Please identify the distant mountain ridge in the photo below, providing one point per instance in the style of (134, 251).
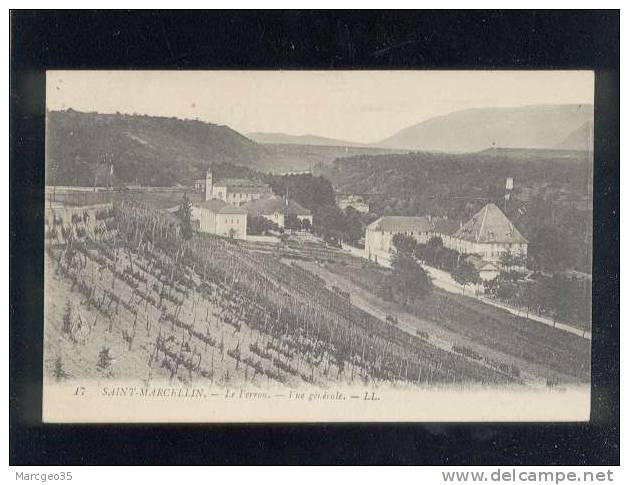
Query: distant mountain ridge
(283, 138)
(580, 139)
(162, 151)
(476, 129)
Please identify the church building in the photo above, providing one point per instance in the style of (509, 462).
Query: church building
(234, 191)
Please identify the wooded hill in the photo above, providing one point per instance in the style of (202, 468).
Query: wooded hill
(148, 150)
(160, 151)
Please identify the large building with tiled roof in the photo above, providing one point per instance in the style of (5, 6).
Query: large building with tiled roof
(277, 209)
(218, 217)
(379, 235)
(489, 234)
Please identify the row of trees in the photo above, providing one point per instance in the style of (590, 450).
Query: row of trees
(558, 296)
(260, 225)
(435, 254)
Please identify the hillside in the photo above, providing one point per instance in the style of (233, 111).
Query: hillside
(148, 150)
(580, 139)
(283, 138)
(471, 130)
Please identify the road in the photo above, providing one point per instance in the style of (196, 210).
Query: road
(532, 374)
(443, 280)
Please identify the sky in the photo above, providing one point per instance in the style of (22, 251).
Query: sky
(358, 106)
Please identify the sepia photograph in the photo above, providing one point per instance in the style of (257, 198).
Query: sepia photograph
(318, 246)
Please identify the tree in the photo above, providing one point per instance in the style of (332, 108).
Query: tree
(409, 281)
(104, 359)
(508, 260)
(465, 273)
(185, 214)
(292, 222)
(67, 319)
(260, 225)
(306, 225)
(404, 244)
(58, 371)
(435, 242)
(353, 224)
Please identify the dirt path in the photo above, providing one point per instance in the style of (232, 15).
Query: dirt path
(444, 281)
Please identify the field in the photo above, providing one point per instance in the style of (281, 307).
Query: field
(128, 298)
(546, 352)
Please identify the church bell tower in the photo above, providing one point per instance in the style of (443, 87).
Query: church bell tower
(208, 184)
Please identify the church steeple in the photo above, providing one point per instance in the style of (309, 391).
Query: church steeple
(208, 184)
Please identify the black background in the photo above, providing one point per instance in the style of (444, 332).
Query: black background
(43, 40)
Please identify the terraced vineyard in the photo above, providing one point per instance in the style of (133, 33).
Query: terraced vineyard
(136, 301)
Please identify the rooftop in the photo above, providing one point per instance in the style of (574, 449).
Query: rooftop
(219, 207)
(235, 182)
(401, 224)
(479, 263)
(490, 225)
(275, 204)
(447, 227)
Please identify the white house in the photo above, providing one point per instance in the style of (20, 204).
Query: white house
(379, 235)
(220, 218)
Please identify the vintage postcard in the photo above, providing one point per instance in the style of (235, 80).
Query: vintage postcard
(318, 246)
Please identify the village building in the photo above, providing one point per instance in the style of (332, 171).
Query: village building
(357, 202)
(488, 234)
(277, 209)
(379, 235)
(220, 218)
(234, 191)
(487, 270)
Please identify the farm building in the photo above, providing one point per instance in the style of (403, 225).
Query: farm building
(277, 209)
(487, 270)
(234, 191)
(379, 235)
(220, 218)
(488, 234)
